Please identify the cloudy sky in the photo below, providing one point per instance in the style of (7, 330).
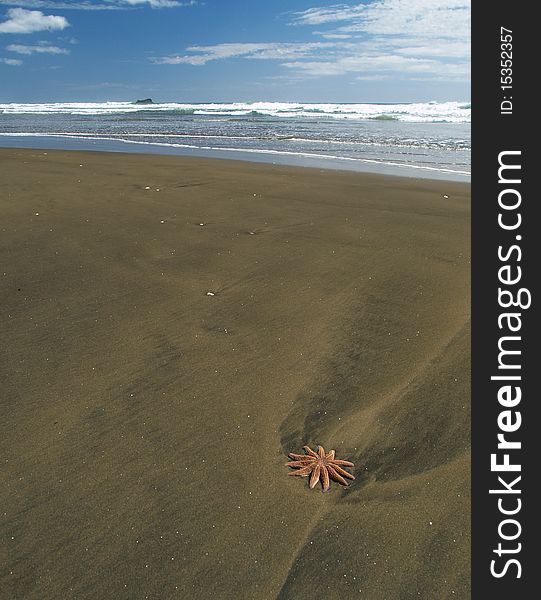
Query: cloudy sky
(212, 50)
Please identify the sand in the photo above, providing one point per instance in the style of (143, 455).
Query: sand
(172, 327)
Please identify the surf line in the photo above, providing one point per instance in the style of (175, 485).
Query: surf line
(512, 300)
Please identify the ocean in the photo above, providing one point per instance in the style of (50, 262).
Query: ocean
(431, 139)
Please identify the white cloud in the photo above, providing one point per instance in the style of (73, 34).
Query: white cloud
(65, 5)
(368, 63)
(50, 4)
(41, 48)
(372, 77)
(393, 16)
(158, 3)
(262, 51)
(101, 5)
(425, 19)
(20, 20)
(448, 49)
(329, 14)
(402, 39)
(332, 35)
(13, 62)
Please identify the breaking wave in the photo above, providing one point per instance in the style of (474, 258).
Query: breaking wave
(421, 112)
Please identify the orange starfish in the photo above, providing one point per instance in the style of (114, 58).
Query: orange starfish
(318, 465)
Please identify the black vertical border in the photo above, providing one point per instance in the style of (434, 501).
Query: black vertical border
(492, 133)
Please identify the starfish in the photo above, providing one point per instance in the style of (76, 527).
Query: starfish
(319, 465)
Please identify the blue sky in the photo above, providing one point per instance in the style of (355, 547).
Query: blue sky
(227, 50)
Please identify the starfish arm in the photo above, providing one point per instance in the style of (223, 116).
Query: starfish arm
(321, 451)
(314, 478)
(309, 451)
(297, 456)
(325, 478)
(299, 463)
(343, 463)
(335, 476)
(343, 472)
(330, 456)
(304, 472)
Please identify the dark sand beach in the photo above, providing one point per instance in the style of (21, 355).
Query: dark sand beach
(145, 424)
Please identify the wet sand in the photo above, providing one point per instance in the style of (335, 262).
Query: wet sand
(145, 423)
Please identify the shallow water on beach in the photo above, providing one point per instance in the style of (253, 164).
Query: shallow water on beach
(424, 139)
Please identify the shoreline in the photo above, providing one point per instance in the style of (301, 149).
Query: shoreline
(317, 161)
(145, 423)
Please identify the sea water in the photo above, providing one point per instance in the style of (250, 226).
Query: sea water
(431, 139)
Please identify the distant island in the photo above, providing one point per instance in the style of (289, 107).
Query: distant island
(145, 101)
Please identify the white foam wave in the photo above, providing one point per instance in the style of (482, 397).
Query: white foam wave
(459, 144)
(422, 112)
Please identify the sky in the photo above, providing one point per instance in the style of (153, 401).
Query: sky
(234, 50)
